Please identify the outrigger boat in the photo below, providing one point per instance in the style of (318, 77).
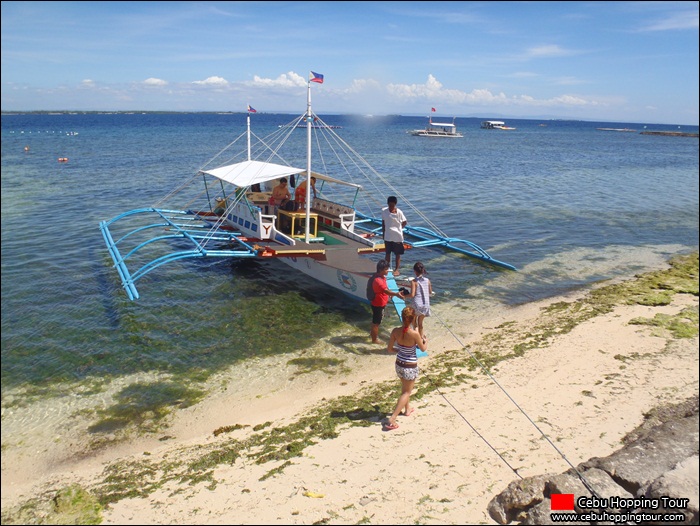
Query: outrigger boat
(438, 129)
(330, 239)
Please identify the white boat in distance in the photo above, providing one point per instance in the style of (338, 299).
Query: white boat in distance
(330, 239)
(617, 129)
(495, 125)
(438, 129)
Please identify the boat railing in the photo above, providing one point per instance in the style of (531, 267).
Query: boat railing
(417, 236)
(347, 221)
(267, 226)
(332, 213)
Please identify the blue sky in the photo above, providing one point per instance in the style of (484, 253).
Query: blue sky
(608, 61)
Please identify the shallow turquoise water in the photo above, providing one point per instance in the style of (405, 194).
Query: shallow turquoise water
(567, 204)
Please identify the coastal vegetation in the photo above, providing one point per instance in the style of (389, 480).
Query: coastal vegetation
(275, 447)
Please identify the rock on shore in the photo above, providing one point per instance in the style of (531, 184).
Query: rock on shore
(659, 459)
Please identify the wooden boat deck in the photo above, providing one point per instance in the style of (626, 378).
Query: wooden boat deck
(337, 250)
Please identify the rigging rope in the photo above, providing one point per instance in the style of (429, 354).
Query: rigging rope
(272, 144)
(491, 377)
(364, 167)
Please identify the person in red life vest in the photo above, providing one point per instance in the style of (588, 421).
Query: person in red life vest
(381, 298)
(300, 193)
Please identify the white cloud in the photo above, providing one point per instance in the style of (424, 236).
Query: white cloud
(431, 88)
(570, 100)
(155, 82)
(433, 92)
(362, 85)
(285, 80)
(212, 81)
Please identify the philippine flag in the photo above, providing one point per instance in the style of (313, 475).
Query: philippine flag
(433, 109)
(316, 77)
(251, 109)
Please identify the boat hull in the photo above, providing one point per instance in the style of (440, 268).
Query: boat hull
(350, 282)
(422, 133)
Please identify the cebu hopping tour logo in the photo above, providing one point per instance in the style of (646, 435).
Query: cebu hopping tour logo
(617, 510)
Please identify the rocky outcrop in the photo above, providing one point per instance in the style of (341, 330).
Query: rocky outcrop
(657, 466)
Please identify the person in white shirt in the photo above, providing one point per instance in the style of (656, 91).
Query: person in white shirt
(393, 223)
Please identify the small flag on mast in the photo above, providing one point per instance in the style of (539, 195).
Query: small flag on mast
(251, 109)
(316, 77)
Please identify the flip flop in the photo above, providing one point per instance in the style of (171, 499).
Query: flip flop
(391, 427)
(410, 412)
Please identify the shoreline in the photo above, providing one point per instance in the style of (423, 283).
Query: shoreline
(454, 470)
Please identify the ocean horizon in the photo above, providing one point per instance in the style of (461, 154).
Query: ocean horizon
(480, 117)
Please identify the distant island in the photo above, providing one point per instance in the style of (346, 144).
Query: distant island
(670, 133)
(282, 112)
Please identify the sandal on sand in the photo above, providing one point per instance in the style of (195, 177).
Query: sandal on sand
(409, 412)
(391, 427)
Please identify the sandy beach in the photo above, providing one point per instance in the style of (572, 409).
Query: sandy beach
(557, 396)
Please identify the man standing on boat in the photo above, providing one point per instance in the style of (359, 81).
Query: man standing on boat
(393, 223)
(300, 192)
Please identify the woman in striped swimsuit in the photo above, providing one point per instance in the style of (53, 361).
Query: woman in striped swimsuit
(404, 341)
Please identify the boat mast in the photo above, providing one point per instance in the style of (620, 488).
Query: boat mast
(308, 160)
(248, 129)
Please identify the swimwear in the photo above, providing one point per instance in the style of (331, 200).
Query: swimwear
(406, 373)
(406, 362)
(421, 302)
(377, 315)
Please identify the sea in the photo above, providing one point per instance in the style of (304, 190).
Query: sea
(567, 204)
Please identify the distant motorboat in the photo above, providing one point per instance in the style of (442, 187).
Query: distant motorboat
(495, 125)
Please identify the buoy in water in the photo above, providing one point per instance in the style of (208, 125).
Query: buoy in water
(63, 159)
(26, 148)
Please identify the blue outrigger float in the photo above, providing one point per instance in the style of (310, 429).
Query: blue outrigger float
(228, 213)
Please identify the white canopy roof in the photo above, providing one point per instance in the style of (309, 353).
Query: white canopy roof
(330, 179)
(248, 173)
(447, 124)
